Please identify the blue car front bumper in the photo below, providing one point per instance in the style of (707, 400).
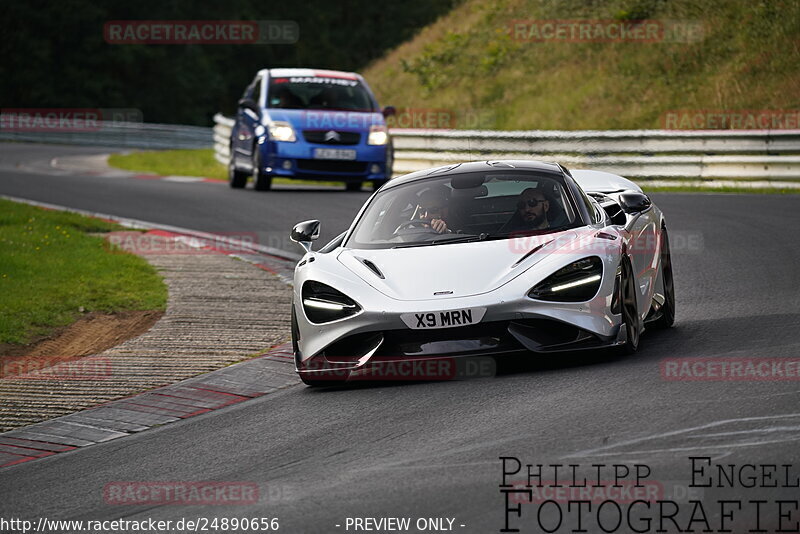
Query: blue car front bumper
(296, 160)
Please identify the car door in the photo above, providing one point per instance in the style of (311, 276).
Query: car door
(248, 117)
(644, 251)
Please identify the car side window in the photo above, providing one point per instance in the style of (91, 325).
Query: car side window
(590, 207)
(599, 212)
(256, 96)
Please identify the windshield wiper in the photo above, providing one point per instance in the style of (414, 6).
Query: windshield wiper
(525, 233)
(456, 238)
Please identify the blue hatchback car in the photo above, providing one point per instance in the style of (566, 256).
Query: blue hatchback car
(310, 124)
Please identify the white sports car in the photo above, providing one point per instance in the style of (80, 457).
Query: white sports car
(477, 259)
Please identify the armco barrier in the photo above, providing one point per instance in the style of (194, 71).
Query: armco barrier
(222, 138)
(640, 142)
(118, 134)
(631, 166)
(708, 154)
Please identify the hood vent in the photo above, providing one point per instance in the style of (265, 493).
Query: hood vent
(530, 253)
(372, 267)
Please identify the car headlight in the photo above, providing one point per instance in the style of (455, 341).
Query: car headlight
(378, 135)
(324, 304)
(281, 131)
(577, 282)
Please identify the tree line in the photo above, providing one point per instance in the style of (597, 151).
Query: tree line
(55, 54)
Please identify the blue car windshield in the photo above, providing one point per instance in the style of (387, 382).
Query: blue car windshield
(317, 92)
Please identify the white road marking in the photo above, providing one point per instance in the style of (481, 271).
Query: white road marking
(685, 449)
(600, 451)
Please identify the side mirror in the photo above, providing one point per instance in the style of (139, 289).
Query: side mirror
(634, 202)
(304, 233)
(389, 111)
(249, 103)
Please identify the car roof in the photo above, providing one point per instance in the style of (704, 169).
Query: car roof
(316, 73)
(476, 166)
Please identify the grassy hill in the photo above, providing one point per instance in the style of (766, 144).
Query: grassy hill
(469, 64)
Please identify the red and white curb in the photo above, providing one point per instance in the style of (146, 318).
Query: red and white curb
(237, 383)
(195, 396)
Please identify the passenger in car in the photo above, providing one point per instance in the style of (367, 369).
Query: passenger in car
(532, 210)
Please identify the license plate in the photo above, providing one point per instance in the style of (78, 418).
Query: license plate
(334, 153)
(443, 319)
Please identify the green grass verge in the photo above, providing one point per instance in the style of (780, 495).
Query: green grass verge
(50, 267)
(172, 162)
(190, 162)
(469, 69)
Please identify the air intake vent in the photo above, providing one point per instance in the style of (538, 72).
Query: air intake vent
(372, 267)
(530, 253)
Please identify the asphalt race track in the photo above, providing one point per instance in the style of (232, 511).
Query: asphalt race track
(432, 449)
(211, 207)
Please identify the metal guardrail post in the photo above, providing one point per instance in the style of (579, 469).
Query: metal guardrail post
(222, 138)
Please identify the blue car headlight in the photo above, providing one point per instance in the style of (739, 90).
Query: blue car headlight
(323, 304)
(378, 135)
(577, 282)
(282, 131)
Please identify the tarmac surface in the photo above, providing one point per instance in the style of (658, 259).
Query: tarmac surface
(322, 457)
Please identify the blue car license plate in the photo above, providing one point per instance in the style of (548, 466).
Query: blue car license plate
(334, 153)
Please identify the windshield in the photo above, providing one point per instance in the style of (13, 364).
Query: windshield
(316, 92)
(466, 207)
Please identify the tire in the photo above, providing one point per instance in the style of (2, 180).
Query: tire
(390, 161)
(295, 335)
(263, 182)
(630, 311)
(377, 184)
(236, 178)
(667, 318)
(352, 186)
